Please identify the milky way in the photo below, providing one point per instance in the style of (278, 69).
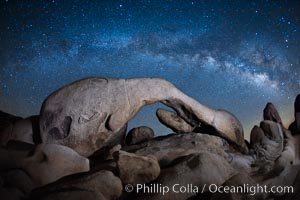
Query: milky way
(235, 56)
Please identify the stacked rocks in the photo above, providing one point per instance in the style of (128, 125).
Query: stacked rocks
(295, 126)
(77, 148)
(139, 134)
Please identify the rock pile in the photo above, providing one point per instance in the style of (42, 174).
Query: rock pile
(295, 126)
(77, 148)
(139, 134)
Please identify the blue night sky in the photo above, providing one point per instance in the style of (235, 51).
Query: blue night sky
(233, 55)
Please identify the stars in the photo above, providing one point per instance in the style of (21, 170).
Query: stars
(282, 19)
(165, 39)
(29, 26)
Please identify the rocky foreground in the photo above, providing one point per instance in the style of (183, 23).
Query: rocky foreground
(79, 148)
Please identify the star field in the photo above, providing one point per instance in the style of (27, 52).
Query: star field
(235, 55)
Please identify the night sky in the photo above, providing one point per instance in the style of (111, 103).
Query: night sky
(233, 55)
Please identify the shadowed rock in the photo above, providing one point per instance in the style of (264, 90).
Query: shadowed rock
(8, 117)
(297, 111)
(173, 121)
(50, 162)
(136, 169)
(267, 140)
(74, 194)
(44, 163)
(256, 136)
(272, 130)
(295, 177)
(25, 130)
(18, 179)
(139, 134)
(12, 158)
(101, 185)
(10, 193)
(235, 183)
(168, 148)
(7, 120)
(89, 114)
(193, 171)
(270, 113)
(295, 126)
(288, 157)
(288, 177)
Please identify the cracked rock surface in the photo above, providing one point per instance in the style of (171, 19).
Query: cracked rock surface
(79, 147)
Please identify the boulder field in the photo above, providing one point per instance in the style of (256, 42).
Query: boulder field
(78, 147)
